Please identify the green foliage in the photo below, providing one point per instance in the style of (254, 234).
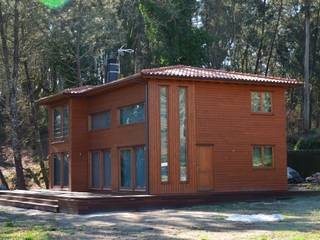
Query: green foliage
(309, 141)
(172, 36)
(54, 3)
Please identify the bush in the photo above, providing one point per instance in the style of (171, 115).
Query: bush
(309, 141)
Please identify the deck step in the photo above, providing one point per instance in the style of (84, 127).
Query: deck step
(30, 203)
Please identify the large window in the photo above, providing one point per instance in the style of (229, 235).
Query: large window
(100, 174)
(132, 114)
(61, 168)
(261, 102)
(133, 168)
(183, 133)
(262, 156)
(164, 132)
(61, 122)
(100, 120)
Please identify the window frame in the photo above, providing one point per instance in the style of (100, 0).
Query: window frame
(133, 187)
(186, 130)
(63, 137)
(90, 122)
(261, 95)
(263, 146)
(167, 87)
(101, 168)
(130, 105)
(61, 155)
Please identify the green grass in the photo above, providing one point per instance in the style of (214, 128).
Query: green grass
(289, 235)
(10, 231)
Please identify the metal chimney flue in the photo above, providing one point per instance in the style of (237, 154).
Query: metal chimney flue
(112, 70)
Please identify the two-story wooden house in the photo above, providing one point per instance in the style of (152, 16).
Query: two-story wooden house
(171, 130)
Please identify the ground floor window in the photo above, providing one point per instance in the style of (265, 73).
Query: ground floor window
(61, 163)
(100, 169)
(133, 168)
(262, 156)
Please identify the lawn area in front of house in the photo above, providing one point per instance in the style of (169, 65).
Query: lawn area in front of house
(302, 222)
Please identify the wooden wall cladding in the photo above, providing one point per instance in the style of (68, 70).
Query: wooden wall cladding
(173, 185)
(224, 119)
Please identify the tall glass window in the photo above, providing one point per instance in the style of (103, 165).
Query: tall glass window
(66, 169)
(95, 170)
(100, 120)
(57, 122)
(107, 169)
(125, 164)
(140, 167)
(132, 114)
(65, 121)
(56, 170)
(183, 133)
(164, 133)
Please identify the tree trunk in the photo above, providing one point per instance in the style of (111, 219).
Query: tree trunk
(40, 153)
(11, 79)
(274, 37)
(3, 180)
(306, 94)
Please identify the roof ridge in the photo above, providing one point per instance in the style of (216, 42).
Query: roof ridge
(145, 71)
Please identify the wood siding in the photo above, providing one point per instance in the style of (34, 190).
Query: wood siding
(219, 115)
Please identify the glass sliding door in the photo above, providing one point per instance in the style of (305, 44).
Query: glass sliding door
(66, 170)
(107, 169)
(95, 170)
(140, 167)
(183, 133)
(56, 170)
(125, 165)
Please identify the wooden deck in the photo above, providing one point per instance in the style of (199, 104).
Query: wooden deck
(88, 202)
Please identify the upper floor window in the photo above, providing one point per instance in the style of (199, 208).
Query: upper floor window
(100, 120)
(261, 102)
(262, 156)
(60, 122)
(132, 114)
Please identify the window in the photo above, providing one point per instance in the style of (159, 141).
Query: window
(66, 170)
(101, 170)
(164, 133)
(61, 163)
(125, 162)
(132, 114)
(107, 169)
(262, 156)
(183, 133)
(100, 120)
(133, 168)
(261, 102)
(60, 122)
(95, 170)
(56, 170)
(140, 167)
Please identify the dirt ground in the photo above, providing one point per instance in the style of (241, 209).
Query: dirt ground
(302, 222)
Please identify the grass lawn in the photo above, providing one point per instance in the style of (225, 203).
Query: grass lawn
(302, 222)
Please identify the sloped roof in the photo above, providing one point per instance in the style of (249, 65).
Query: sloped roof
(176, 72)
(182, 71)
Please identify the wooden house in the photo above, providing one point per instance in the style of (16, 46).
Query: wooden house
(171, 130)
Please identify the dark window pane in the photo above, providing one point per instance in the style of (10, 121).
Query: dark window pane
(268, 156)
(65, 121)
(132, 114)
(100, 120)
(255, 102)
(66, 170)
(56, 170)
(257, 156)
(95, 165)
(57, 120)
(183, 133)
(267, 102)
(107, 169)
(164, 133)
(125, 159)
(140, 167)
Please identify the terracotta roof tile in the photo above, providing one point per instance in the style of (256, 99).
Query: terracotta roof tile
(182, 71)
(78, 90)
